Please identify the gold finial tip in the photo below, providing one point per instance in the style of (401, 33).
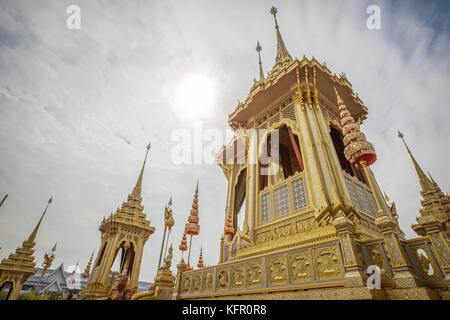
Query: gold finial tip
(50, 200)
(400, 135)
(273, 10)
(148, 146)
(258, 47)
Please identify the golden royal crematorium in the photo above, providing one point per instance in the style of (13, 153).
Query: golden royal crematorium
(316, 223)
(319, 219)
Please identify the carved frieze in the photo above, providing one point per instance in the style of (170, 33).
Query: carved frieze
(300, 269)
(208, 278)
(196, 282)
(186, 284)
(277, 269)
(237, 277)
(254, 274)
(223, 279)
(327, 263)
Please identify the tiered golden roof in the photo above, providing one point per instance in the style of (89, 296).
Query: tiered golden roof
(132, 211)
(22, 260)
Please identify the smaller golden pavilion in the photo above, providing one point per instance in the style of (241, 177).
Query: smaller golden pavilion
(123, 236)
(20, 265)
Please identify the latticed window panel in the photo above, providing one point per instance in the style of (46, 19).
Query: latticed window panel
(234, 248)
(363, 197)
(289, 113)
(275, 119)
(282, 201)
(266, 207)
(225, 253)
(352, 194)
(300, 198)
(372, 202)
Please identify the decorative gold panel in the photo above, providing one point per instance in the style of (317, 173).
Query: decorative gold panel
(254, 274)
(300, 268)
(425, 262)
(327, 263)
(376, 257)
(223, 279)
(186, 284)
(277, 270)
(196, 282)
(208, 278)
(237, 277)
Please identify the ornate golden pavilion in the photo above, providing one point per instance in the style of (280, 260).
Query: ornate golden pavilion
(123, 236)
(315, 219)
(315, 223)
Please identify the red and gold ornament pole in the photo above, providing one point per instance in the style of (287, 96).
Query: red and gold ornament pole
(358, 150)
(200, 263)
(192, 227)
(229, 229)
(183, 244)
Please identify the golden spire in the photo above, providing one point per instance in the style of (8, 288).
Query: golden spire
(339, 99)
(88, 267)
(137, 189)
(33, 234)
(282, 53)
(425, 182)
(4, 198)
(261, 72)
(200, 263)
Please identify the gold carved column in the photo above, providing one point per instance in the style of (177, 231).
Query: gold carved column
(354, 269)
(404, 276)
(312, 171)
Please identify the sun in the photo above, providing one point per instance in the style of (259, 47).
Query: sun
(196, 96)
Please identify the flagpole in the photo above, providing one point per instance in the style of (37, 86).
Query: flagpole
(189, 255)
(162, 244)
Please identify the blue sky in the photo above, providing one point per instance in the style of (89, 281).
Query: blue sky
(78, 107)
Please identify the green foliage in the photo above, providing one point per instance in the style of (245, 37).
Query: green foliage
(29, 296)
(54, 296)
(3, 294)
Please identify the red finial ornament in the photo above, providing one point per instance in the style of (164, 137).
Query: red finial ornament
(183, 244)
(200, 263)
(192, 227)
(229, 230)
(358, 150)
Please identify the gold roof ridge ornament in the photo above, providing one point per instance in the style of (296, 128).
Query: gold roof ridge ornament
(282, 53)
(261, 72)
(138, 188)
(425, 182)
(33, 234)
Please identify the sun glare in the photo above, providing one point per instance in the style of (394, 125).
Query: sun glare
(196, 96)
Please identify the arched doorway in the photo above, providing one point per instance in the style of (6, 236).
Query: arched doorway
(5, 290)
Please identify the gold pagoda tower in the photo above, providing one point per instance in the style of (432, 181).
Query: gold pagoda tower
(315, 218)
(20, 265)
(123, 236)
